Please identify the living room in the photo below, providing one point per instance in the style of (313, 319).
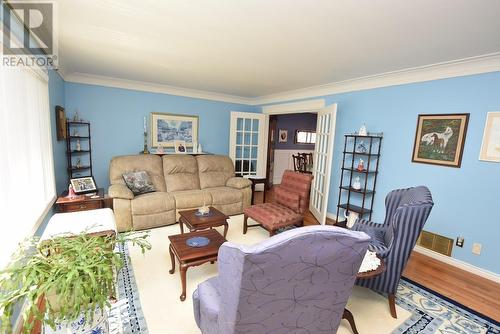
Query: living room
(405, 106)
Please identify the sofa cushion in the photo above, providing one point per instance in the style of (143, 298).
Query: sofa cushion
(225, 195)
(139, 182)
(150, 163)
(151, 203)
(181, 172)
(214, 170)
(189, 199)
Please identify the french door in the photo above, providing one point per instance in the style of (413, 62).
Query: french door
(322, 166)
(248, 143)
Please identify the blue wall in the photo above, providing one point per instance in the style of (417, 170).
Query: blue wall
(292, 123)
(116, 117)
(465, 198)
(56, 97)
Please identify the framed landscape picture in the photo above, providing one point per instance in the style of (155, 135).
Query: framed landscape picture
(490, 148)
(440, 138)
(167, 128)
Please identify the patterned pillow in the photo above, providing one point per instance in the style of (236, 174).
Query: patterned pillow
(139, 182)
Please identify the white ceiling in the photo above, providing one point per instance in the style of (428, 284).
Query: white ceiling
(252, 48)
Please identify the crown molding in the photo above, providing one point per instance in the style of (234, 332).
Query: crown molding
(91, 79)
(294, 107)
(456, 68)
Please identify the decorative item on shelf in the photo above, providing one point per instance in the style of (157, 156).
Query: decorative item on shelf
(71, 192)
(361, 165)
(195, 147)
(160, 150)
(351, 217)
(362, 131)
(180, 146)
(78, 163)
(75, 133)
(440, 139)
(200, 150)
(76, 117)
(361, 148)
(145, 149)
(78, 145)
(490, 147)
(283, 136)
(83, 185)
(356, 185)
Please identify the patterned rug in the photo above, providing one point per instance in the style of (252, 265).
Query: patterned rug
(431, 312)
(434, 313)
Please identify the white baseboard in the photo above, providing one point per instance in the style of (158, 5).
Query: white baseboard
(459, 264)
(331, 215)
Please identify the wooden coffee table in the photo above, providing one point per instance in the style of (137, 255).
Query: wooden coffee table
(195, 223)
(193, 256)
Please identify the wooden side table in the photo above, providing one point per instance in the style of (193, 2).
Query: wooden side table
(193, 256)
(195, 222)
(82, 202)
(256, 180)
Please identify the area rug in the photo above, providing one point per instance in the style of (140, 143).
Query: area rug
(419, 310)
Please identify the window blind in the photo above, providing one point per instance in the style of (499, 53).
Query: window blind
(27, 186)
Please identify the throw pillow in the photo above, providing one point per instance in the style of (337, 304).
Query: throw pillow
(139, 182)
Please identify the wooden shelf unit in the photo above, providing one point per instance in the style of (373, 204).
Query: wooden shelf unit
(369, 174)
(72, 152)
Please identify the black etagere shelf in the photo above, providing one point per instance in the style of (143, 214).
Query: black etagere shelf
(363, 197)
(72, 152)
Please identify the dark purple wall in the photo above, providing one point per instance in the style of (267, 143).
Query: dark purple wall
(293, 122)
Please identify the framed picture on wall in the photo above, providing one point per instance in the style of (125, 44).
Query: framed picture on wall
(283, 136)
(167, 128)
(490, 147)
(60, 123)
(440, 139)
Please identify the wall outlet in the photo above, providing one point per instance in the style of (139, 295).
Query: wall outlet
(460, 241)
(476, 248)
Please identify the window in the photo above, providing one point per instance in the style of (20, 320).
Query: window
(305, 137)
(27, 187)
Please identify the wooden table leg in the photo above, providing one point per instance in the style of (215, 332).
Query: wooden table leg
(348, 316)
(392, 305)
(181, 224)
(226, 227)
(172, 259)
(253, 191)
(264, 194)
(183, 270)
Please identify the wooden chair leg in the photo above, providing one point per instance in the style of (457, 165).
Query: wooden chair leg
(392, 305)
(245, 224)
(348, 316)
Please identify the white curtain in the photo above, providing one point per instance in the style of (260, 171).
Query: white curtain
(27, 186)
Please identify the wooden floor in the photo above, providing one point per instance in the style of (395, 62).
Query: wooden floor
(475, 292)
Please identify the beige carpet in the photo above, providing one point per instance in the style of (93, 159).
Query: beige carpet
(166, 314)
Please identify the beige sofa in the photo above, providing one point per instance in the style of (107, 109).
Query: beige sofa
(182, 182)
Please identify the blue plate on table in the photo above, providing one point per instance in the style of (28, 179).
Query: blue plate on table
(199, 214)
(197, 242)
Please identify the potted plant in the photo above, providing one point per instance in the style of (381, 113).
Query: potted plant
(66, 282)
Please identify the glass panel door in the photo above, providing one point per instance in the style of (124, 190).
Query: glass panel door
(247, 144)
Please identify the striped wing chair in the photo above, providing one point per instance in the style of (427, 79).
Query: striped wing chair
(406, 213)
(291, 199)
(298, 281)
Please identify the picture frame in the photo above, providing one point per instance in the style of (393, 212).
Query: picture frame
(283, 136)
(180, 147)
(490, 146)
(83, 185)
(166, 128)
(440, 139)
(61, 123)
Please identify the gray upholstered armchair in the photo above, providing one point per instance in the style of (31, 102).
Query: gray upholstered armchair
(298, 279)
(406, 213)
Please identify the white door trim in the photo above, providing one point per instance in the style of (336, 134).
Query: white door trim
(295, 107)
(262, 145)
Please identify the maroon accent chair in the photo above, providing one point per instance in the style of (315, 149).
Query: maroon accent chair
(291, 201)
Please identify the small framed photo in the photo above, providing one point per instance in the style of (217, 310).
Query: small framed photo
(60, 123)
(180, 147)
(440, 138)
(283, 136)
(83, 185)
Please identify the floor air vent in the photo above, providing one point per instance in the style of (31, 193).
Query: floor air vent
(435, 242)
